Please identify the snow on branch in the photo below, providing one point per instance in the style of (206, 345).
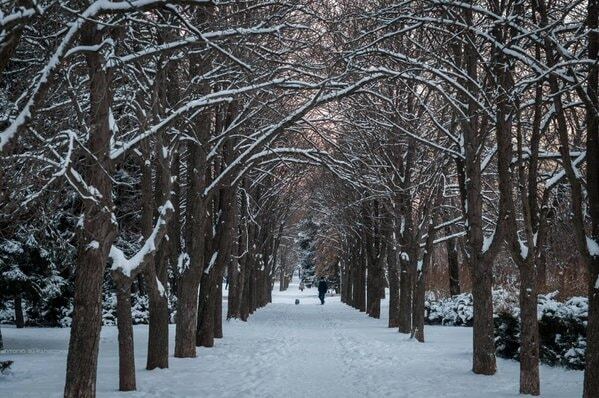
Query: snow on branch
(550, 183)
(40, 87)
(132, 266)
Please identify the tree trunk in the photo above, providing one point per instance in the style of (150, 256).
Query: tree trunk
(269, 287)
(236, 276)
(361, 288)
(421, 271)
(187, 316)
(245, 303)
(454, 266)
(374, 288)
(268, 279)
(19, 318)
(393, 286)
(355, 266)
(254, 288)
(158, 321)
(195, 238)
(281, 279)
(342, 295)
(529, 330)
(405, 295)
(234, 292)
(82, 358)
(156, 272)
(349, 284)
(205, 329)
(542, 271)
(418, 308)
(483, 329)
(374, 301)
(125, 336)
(591, 375)
(97, 227)
(218, 310)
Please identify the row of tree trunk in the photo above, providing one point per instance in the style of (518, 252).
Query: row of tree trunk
(195, 235)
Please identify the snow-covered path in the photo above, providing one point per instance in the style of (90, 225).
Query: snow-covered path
(289, 350)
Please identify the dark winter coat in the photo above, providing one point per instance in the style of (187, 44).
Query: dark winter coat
(322, 286)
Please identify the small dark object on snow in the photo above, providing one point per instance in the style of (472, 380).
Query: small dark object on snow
(296, 301)
(5, 365)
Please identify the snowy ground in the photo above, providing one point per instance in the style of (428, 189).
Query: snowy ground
(286, 350)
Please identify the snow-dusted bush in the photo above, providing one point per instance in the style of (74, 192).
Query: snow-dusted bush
(62, 315)
(459, 310)
(562, 331)
(140, 309)
(456, 311)
(7, 313)
(562, 326)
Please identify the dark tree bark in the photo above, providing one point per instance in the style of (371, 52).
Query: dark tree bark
(351, 275)
(218, 310)
(481, 251)
(591, 375)
(235, 280)
(454, 265)
(393, 285)
(534, 225)
(407, 239)
(205, 327)
(235, 273)
(187, 304)
(542, 271)
(245, 304)
(346, 280)
(483, 343)
(124, 281)
(418, 306)
(361, 282)
(529, 330)
(98, 227)
(125, 336)
(210, 308)
(19, 318)
(254, 283)
(156, 274)
(196, 218)
(158, 324)
(195, 237)
(405, 293)
(375, 248)
(343, 276)
(282, 286)
(245, 263)
(429, 216)
(374, 291)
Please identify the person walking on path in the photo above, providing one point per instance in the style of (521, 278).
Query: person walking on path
(322, 290)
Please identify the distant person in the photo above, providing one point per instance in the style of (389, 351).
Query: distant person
(301, 286)
(322, 290)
